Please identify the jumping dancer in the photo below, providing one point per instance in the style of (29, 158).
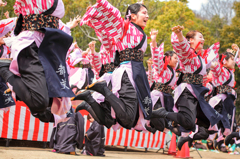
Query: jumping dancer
(189, 95)
(130, 92)
(164, 66)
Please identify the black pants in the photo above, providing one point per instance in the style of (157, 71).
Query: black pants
(31, 87)
(158, 123)
(219, 108)
(125, 107)
(189, 110)
(128, 96)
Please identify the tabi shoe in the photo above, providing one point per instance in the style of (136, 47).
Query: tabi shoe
(159, 113)
(150, 129)
(182, 140)
(85, 106)
(83, 95)
(100, 87)
(230, 137)
(176, 131)
(74, 86)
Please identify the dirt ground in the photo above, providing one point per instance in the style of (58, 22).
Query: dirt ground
(111, 152)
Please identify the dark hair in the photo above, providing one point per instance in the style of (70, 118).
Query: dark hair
(134, 8)
(227, 54)
(192, 34)
(169, 53)
(208, 70)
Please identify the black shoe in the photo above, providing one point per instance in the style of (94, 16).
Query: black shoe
(182, 140)
(45, 116)
(176, 131)
(5, 73)
(230, 137)
(100, 87)
(85, 95)
(150, 129)
(159, 113)
(85, 106)
(74, 86)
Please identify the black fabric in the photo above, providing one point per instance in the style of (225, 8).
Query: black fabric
(224, 123)
(212, 115)
(31, 87)
(90, 76)
(6, 100)
(126, 106)
(142, 88)
(85, 83)
(202, 134)
(1, 50)
(173, 74)
(168, 102)
(187, 110)
(102, 111)
(69, 134)
(179, 81)
(153, 85)
(52, 9)
(18, 27)
(102, 71)
(139, 46)
(51, 143)
(95, 140)
(45, 116)
(200, 68)
(228, 110)
(158, 123)
(52, 54)
(230, 79)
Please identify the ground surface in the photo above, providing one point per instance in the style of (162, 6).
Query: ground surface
(111, 152)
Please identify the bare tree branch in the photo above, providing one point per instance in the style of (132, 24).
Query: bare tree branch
(87, 34)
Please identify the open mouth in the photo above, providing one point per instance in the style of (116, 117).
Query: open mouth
(145, 21)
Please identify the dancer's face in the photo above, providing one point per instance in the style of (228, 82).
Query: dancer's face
(210, 75)
(230, 63)
(174, 60)
(194, 41)
(141, 18)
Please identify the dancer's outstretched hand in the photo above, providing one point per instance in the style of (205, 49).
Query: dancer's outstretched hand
(154, 33)
(2, 4)
(150, 62)
(73, 23)
(92, 46)
(6, 14)
(88, 7)
(235, 47)
(84, 53)
(177, 29)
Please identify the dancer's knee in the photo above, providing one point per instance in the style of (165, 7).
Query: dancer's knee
(39, 104)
